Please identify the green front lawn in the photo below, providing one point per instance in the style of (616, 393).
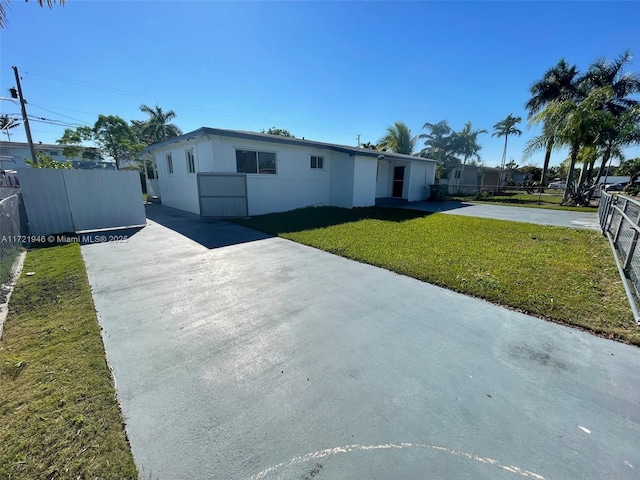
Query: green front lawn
(549, 200)
(563, 274)
(59, 417)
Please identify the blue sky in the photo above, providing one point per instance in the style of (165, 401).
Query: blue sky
(326, 71)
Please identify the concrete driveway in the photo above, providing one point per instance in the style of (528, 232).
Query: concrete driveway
(541, 216)
(262, 358)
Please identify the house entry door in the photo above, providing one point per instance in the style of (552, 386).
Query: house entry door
(398, 182)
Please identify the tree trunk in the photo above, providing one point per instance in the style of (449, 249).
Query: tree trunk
(605, 158)
(504, 159)
(590, 169)
(545, 167)
(569, 186)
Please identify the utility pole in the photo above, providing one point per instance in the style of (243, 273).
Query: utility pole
(25, 119)
(358, 139)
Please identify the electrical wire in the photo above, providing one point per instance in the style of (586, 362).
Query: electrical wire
(147, 97)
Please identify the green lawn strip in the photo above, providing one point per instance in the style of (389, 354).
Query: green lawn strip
(563, 274)
(59, 417)
(530, 201)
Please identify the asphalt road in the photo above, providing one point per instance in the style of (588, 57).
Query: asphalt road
(262, 358)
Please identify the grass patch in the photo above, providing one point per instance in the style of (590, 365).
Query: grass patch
(564, 274)
(547, 200)
(59, 417)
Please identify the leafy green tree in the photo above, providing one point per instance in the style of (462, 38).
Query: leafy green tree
(535, 173)
(157, 127)
(369, 145)
(630, 167)
(558, 84)
(504, 128)
(398, 139)
(45, 161)
(5, 3)
(116, 138)
(278, 131)
(7, 123)
(74, 140)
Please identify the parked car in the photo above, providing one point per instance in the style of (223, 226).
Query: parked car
(557, 184)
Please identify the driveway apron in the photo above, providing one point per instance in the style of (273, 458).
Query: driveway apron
(238, 356)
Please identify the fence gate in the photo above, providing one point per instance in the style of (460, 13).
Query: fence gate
(222, 195)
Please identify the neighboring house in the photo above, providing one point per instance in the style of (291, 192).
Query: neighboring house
(473, 180)
(13, 154)
(270, 173)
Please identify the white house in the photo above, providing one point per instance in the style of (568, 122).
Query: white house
(13, 155)
(268, 173)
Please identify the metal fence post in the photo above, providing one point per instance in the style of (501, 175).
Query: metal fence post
(618, 228)
(632, 248)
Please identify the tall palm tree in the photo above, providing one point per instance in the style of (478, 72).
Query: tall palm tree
(6, 123)
(605, 74)
(157, 127)
(558, 84)
(398, 139)
(504, 128)
(465, 144)
(5, 3)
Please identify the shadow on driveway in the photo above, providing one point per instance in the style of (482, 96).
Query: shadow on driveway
(208, 233)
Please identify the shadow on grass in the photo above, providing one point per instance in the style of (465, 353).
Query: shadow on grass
(321, 217)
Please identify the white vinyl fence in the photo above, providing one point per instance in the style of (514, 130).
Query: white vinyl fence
(62, 201)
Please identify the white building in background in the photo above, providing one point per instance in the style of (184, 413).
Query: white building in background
(13, 154)
(268, 173)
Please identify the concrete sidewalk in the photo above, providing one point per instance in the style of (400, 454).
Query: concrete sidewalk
(270, 359)
(541, 216)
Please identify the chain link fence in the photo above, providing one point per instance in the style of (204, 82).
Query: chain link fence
(619, 218)
(12, 230)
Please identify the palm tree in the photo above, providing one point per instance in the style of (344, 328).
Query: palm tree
(157, 127)
(6, 123)
(398, 139)
(558, 84)
(574, 123)
(5, 3)
(438, 146)
(504, 128)
(622, 130)
(465, 143)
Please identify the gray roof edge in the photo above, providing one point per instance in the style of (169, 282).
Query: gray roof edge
(285, 140)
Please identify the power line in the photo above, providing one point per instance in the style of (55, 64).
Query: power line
(185, 106)
(82, 122)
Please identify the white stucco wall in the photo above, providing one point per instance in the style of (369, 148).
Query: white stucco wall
(383, 185)
(342, 180)
(295, 185)
(421, 175)
(180, 189)
(364, 181)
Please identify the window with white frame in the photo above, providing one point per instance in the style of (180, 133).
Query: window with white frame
(169, 164)
(458, 172)
(191, 162)
(317, 163)
(252, 161)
